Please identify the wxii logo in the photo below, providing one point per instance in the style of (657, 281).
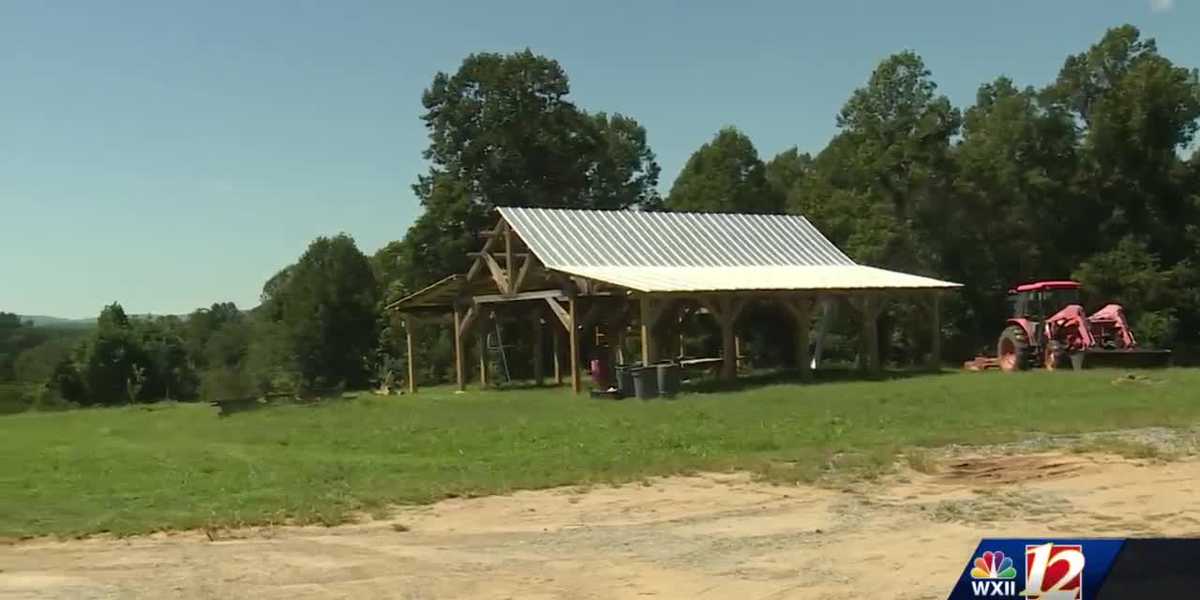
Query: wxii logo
(1052, 572)
(993, 575)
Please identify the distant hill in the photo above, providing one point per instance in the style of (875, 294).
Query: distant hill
(44, 321)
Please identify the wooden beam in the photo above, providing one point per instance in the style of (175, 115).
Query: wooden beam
(567, 321)
(498, 274)
(574, 343)
(461, 328)
(499, 256)
(521, 273)
(458, 357)
(510, 276)
(533, 295)
(408, 342)
(477, 266)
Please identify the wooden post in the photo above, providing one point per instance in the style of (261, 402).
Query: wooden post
(483, 357)
(557, 359)
(649, 351)
(737, 351)
(408, 341)
(538, 348)
(509, 269)
(935, 323)
(870, 315)
(458, 357)
(801, 309)
(574, 344)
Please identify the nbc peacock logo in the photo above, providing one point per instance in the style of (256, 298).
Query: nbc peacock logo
(994, 575)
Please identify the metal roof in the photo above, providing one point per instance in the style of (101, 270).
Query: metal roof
(690, 252)
(622, 238)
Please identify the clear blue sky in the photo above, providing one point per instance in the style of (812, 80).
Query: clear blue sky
(170, 154)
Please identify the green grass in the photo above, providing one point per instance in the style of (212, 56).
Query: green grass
(139, 469)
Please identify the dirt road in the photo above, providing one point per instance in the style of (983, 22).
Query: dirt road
(711, 536)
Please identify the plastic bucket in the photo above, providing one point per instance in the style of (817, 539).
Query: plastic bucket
(645, 382)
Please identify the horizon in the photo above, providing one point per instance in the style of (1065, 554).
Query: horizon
(171, 157)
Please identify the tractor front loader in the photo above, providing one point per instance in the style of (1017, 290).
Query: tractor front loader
(1068, 337)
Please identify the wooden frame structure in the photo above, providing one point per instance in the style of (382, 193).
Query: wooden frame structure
(506, 276)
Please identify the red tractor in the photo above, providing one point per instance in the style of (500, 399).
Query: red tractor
(1049, 328)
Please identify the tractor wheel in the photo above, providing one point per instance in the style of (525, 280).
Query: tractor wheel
(1013, 349)
(1054, 357)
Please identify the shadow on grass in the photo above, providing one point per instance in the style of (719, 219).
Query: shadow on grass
(710, 384)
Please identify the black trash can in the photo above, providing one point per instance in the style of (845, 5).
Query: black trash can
(645, 382)
(668, 378)
(625, 380)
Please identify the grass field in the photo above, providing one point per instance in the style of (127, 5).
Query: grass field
(139, 469)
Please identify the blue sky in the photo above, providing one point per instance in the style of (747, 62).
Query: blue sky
(170, 154)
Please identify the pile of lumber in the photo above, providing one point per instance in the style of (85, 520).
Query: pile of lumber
(982, 363)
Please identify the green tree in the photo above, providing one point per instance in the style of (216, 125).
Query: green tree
(725, 175)
(112, 359)
(327, 311)
(788, 170)
(502, 132)
(1137, 111)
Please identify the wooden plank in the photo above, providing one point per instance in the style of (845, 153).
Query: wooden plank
(574, 344)
(532, 295)
(567, 322)
(458, 357)
(408, 342)
(498, 274)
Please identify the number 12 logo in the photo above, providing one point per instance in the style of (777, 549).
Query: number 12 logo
(1053, 572)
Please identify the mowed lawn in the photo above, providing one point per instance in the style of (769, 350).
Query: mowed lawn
(139, 469)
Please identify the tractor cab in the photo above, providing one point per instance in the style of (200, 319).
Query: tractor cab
(1036, 301)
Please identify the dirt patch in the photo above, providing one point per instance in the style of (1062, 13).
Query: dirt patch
(1012, 469)
(710, 536)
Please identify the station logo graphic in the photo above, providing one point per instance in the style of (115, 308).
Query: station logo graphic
(994, 575)
(1053, 572)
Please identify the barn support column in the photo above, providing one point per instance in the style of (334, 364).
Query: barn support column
(801, 309)
(869, 307)
(408, 344)
(481, 341)
(557, 353)
(574, 340)
(538, 348)
(727, 309)
(458, 357)
(935, 330)
(650, 310)
(567, 318)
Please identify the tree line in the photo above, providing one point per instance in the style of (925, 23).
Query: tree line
(1091, 176)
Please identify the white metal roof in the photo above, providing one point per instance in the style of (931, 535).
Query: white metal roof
(689, 252)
